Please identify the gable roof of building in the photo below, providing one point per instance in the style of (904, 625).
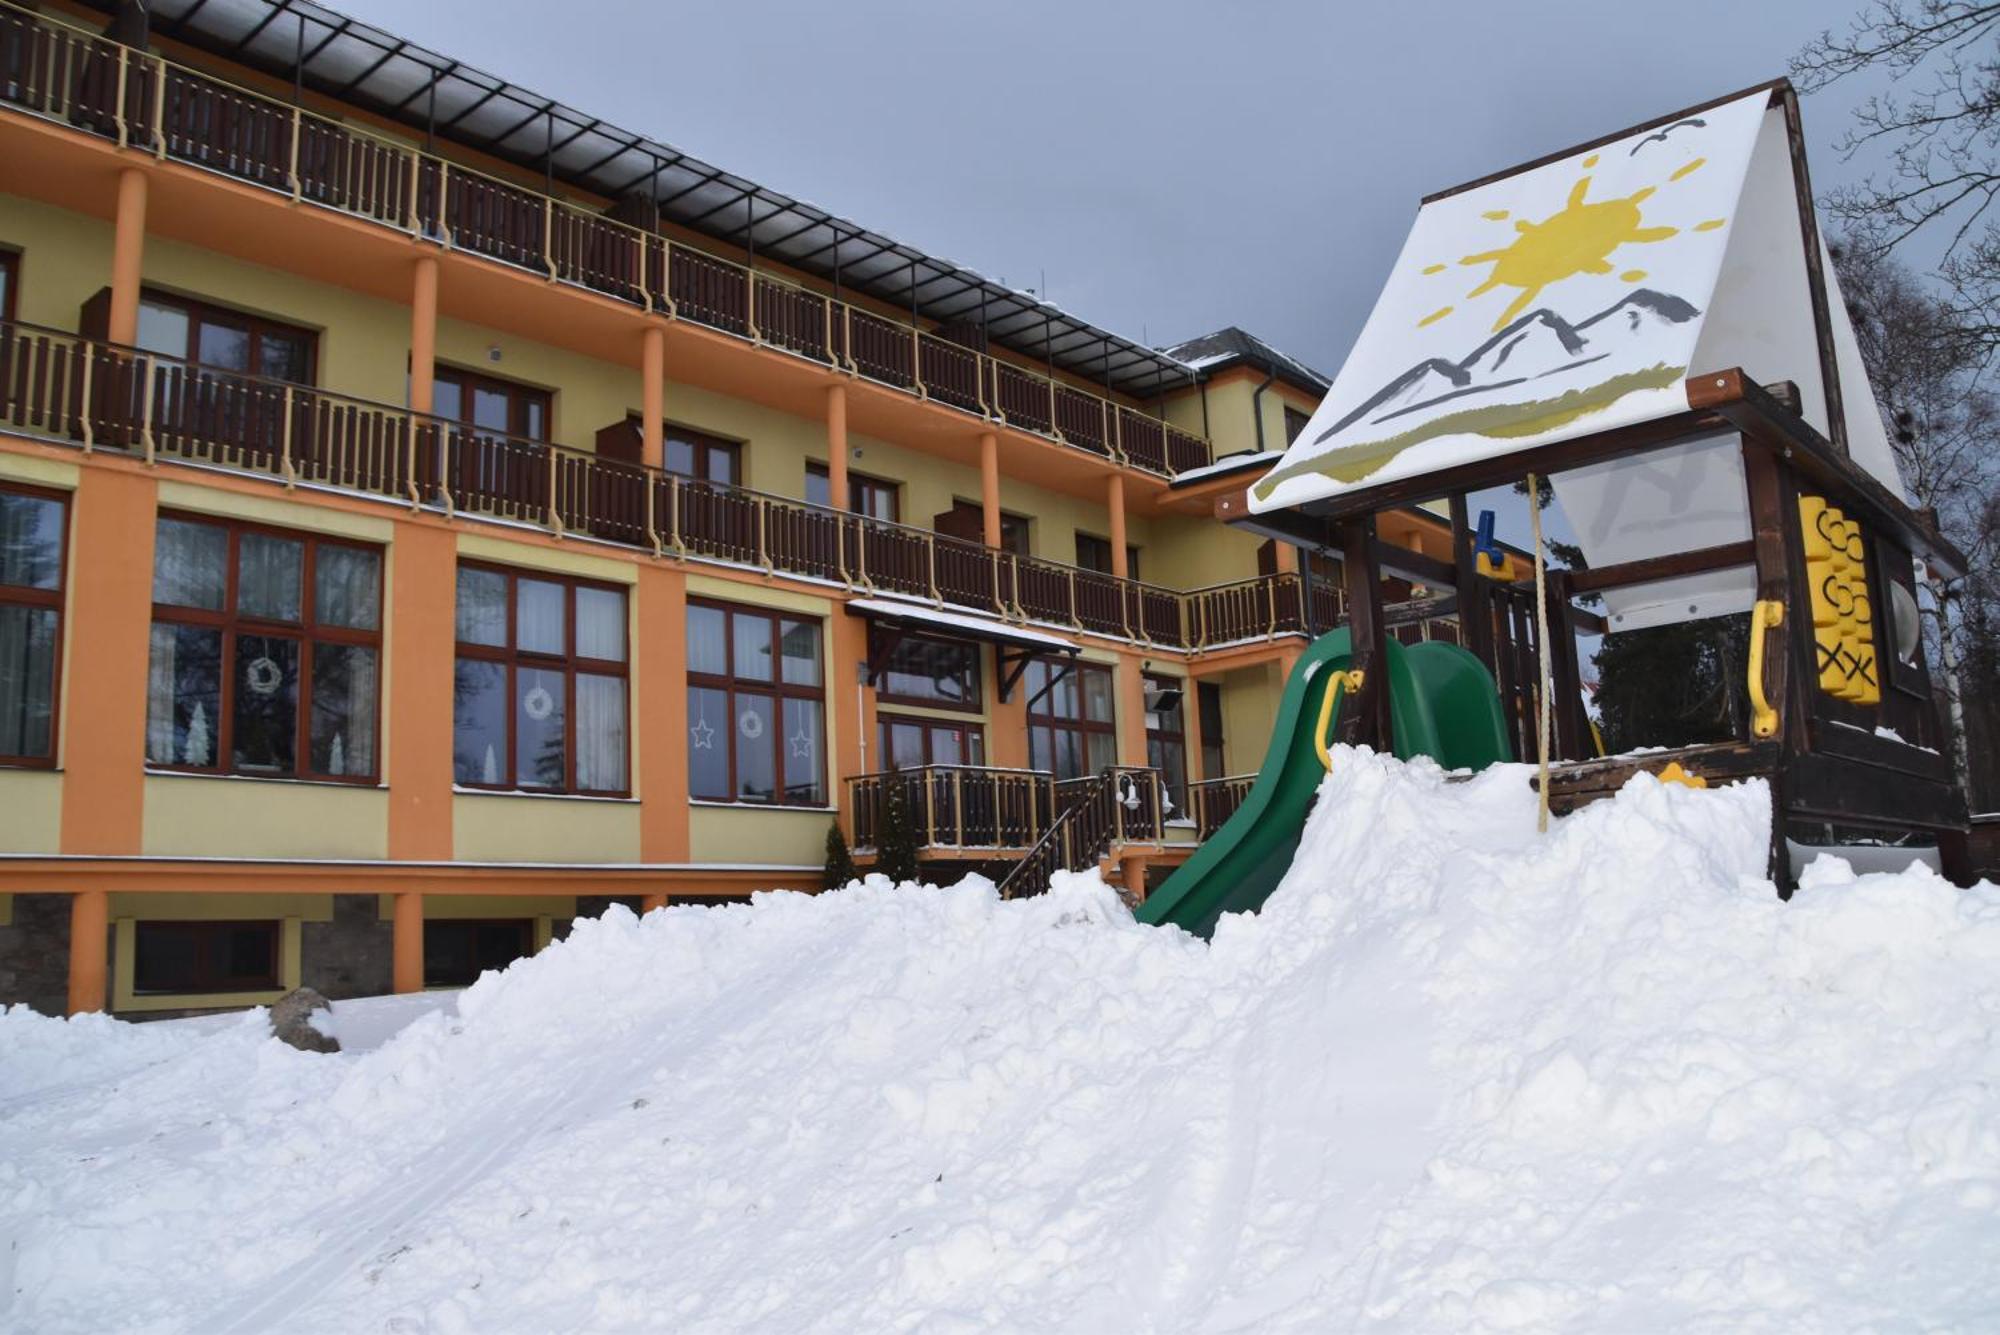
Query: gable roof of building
(1231, 346)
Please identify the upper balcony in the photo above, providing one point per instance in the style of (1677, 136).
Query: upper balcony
(66, 389)
(78, 79)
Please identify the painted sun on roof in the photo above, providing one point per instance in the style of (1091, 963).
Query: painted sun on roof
(1564, 298)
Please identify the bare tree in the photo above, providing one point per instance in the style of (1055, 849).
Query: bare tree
(1940, 129)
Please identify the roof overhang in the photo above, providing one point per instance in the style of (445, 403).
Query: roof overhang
(923, 619)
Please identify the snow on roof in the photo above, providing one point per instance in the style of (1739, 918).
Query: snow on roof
(965, 623)
(1231, 345)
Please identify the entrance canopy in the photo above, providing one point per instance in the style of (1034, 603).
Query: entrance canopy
(1580, 294)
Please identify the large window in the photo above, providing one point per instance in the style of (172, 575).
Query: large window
(756, 706)
(225, 340)
(1166, 736)
(942, 674)
(871, 496)
(1070, 723)
(32, 531)
(266, 652)
(488, 403)
(907, 742)
(539, 695)
(201, 957)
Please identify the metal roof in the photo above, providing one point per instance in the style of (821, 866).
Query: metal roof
(329, 53)
(1236, 347)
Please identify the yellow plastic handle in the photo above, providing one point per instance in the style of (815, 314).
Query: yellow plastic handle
(1342, 681)
(1766, 615)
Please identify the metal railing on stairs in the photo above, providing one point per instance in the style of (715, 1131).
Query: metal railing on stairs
(1121, 805)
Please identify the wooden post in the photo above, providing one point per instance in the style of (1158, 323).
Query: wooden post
(1365, 714)
(647, 903)
(836, 446)
(1570, 726)
(408, 949)
(89, 920)
(653, 396)
(128, 253)
(989, 488)
(1132, 873)
(1475, 614)
(1769, 513)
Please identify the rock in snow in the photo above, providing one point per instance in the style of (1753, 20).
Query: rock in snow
(304, 1019)
(1456, 1076)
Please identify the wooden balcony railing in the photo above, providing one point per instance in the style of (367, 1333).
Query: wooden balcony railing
(1212, 802)
(956, 807)
(1123, 804)
(63, 73)
(97, 395)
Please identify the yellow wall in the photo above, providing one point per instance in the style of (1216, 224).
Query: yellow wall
(757, 836)
(524, 827)
(206, 815)
(1249, 708)
(31, 801)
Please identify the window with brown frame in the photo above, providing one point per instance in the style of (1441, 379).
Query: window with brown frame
(458, 950)
(33, 537)
(939, 674)
(874, 497)
(1166, 739)
(1295, 422)
(702, 457)
(200, 957)
(540, 686)
(756, 706)
(226, 340)
(1094, 553)
(1071, 727)
(904, 741)
(10, 283)
(488, 403)
(1208, 699)
(266, 651)
(967, 520)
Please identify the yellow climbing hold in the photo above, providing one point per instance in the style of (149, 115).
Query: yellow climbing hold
(1675, 774)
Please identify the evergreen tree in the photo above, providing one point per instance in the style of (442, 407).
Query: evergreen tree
(895, 832)
(839, 862)
(1674, 685)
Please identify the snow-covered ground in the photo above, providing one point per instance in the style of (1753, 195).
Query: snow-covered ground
(1457, 1076)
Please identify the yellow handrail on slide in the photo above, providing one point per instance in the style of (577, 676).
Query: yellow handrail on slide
(1342, 681)
(1766, 615)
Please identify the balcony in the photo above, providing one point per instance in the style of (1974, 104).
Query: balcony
(86, 393)
(78, 79)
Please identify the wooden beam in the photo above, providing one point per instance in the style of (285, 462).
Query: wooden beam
(1365, 714)
(1672, 566)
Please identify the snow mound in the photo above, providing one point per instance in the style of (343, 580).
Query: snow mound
(1455, 1076)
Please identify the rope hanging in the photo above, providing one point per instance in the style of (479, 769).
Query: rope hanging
(1541, 654)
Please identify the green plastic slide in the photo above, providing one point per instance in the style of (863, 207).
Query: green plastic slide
(1442, 704)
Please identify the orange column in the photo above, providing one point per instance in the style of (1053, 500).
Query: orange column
(1007, 742)
(128, 254)
(407, 949)
(1287, 558)
(104, 692)
(647, 903)
(659, 733)
(653, 397)
(989, 487)
(89, 919)
(1114, 501)
(1130, 685)
(422, 591)
(423, 335)
(853, 709)
(1132, 871)
(836, 445)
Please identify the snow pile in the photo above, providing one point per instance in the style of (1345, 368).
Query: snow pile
(1456, 1076)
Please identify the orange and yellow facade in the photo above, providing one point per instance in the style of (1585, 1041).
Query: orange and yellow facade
(374, 602)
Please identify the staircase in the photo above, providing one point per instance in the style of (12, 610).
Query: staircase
(1114, 806)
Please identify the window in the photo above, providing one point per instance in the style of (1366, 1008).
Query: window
(266, 652)
(1093, 553)
(10, 283)
(539, 693)
(703, 458)
(1166, 738)
(33, 531)
(1208, 699)
(226, 340)
(905, 743)
(488, 403)
(458, 950)
(1295, 422)
(205, 957)
(756, 710)
(1070, 728)
(941, 673)
(871, 496)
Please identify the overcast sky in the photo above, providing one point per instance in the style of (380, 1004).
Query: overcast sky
(1172, 168)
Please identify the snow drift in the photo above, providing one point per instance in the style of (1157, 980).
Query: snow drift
(1456, 1075)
